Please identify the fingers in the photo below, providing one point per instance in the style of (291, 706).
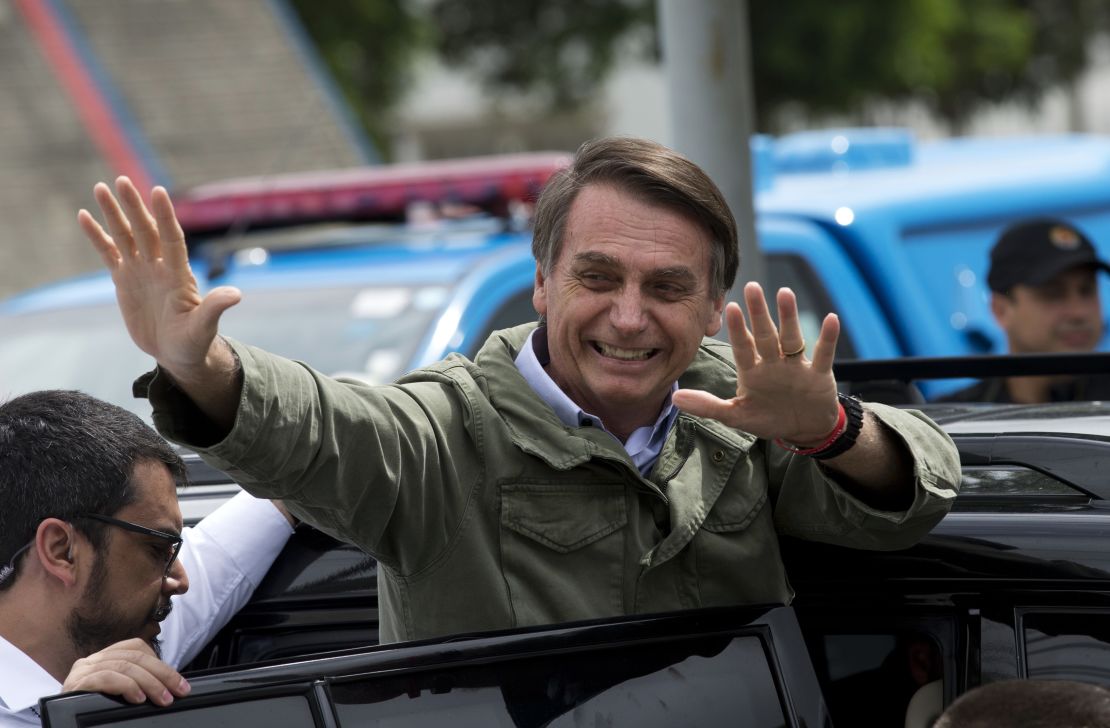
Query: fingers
(743, 345)
(131, 229)
(128, 669)
(144, 231)
(100, 240)
(824, 351)
(704, 404)
(790, 328)
(115, 220)
(772, 342)
(763, 328)
(169, 229)
(213, 306)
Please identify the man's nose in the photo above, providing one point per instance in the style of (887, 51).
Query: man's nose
(176, 581)
(627, 312)
(1080, 306)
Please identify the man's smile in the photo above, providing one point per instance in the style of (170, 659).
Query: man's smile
(616, 352)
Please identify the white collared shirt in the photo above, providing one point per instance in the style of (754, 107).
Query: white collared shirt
(225, 555)
(643, 445)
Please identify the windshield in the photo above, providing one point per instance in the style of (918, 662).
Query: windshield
(368, 332)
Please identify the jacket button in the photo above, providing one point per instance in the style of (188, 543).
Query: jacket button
(718, 455)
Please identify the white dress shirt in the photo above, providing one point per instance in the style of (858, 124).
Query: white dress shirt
(225, 556)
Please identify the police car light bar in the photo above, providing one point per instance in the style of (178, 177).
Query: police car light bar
(491, 184)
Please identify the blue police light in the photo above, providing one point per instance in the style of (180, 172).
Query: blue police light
(843, 150)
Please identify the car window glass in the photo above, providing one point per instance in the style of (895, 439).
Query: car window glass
(1067, 646)
(290, 711)
(1010, 481)
(371, 333)
(86, 349)
(869, 678)
(348, 330)
(715, 681)
(516, 310)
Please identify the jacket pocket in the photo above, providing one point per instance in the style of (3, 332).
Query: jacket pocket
(738, 559)
(735, 512)
(562, 550)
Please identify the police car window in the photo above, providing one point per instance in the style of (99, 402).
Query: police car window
(516, 310)
(82, 348)
(357, 331)
(1067, 645)
(344, 330)
(712, 681)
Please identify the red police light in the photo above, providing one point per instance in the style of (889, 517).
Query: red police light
(491, 184)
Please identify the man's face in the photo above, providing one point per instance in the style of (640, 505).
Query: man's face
(126, 595)
(627, 303)
(1063, 315)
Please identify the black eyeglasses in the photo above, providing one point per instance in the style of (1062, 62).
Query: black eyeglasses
(175, 541)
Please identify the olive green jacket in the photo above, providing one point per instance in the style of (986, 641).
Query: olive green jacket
(486, 512)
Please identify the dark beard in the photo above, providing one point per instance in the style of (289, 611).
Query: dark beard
(92, 627)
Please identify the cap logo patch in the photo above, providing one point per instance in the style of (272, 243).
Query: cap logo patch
(1063, 238)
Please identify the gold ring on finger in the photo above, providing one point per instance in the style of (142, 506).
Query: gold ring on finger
(798, 352)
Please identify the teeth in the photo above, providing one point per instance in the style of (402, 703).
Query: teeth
(626, 354)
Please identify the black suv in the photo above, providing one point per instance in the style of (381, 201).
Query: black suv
(1015, 582)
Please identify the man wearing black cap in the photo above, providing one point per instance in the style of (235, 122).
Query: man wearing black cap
(1044, 295)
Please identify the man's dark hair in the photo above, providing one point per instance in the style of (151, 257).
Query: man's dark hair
(652, 173)
(64, 453)
(1029, 704)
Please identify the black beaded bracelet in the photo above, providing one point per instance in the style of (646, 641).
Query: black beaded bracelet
(853, 408)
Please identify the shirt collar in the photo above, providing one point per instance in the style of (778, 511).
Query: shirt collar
(643, 445)
(22, 680)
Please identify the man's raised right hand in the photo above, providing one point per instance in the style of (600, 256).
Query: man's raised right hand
(144, 249)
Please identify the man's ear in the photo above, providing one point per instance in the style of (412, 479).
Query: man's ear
(57, 550)
(1001, 306)
(714, 324)
(539, 292)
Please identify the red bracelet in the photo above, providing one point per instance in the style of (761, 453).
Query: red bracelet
(837, 431)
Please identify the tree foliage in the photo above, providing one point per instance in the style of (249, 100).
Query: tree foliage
(369, 46)
(952, 55)
(818, 56)
(813, 56)
(558, 50)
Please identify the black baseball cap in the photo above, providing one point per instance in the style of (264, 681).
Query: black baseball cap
(1034, 252)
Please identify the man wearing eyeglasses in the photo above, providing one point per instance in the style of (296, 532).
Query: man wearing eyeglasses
(92, 550)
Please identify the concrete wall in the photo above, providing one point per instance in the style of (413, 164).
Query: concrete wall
(213, 88)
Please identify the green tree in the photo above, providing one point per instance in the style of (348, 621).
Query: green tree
(816, 56)
(810, 56)
(560, 50)
(836, 58)
(369, 46)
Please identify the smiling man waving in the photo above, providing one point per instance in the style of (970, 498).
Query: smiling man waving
(608, 460)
